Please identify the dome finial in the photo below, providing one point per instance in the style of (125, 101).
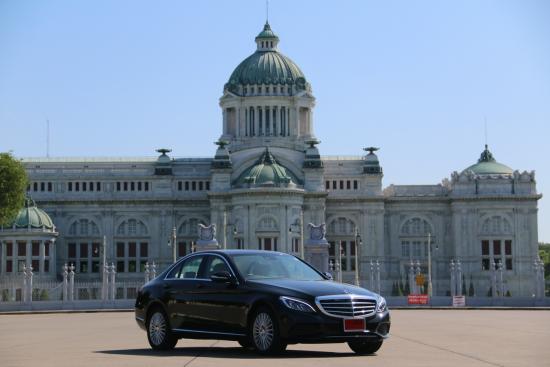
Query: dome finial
(486, 155)
(267, 40)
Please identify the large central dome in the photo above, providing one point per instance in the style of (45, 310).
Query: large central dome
(267, 66)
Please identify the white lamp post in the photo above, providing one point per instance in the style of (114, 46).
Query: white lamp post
(357, 242)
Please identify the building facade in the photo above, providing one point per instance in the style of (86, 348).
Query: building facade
(267, 181)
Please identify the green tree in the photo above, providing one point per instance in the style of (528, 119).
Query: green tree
(13, 184)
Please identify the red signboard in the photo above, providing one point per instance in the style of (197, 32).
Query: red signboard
(417, 299)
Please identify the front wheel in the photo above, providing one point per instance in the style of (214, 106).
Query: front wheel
(264, 332)
(365, 346)
(158, 332)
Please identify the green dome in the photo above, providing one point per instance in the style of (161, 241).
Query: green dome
(487, 165)
(267, 66)
(266, 172)
(33, 217)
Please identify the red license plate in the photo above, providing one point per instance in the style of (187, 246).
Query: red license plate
(354, 325)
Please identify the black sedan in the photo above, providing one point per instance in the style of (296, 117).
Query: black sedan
(262, 299)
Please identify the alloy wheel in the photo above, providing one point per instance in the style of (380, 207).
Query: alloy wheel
(263, 331)
(157, 328)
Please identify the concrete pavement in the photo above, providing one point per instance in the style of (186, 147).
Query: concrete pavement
(418, 338)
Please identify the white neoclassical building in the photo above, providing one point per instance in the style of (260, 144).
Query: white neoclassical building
(266, 180)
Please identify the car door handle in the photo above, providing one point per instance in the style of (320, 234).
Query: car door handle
(166, 286)
(200, 285)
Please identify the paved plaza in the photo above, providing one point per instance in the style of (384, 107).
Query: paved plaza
(418, 338)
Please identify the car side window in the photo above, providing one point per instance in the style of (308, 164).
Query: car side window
(215, 265)
(189, 269)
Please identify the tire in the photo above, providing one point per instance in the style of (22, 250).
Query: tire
(364, 347)
(159, 334)
(264, 333)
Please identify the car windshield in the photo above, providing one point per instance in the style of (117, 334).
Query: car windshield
(257, 266)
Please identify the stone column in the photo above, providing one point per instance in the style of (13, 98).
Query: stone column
(295, 125)
(257, 120)
(412, 282)
(71, 283)
(65, 282)
(251, 243)
(53, 257)
(276, 127)
(458, 279)
(112, 281)
(3, 248)
(493, 279)
(28, 256)
(453, 283)
(24, 288)
(224, 117)
(29, 284)
(42, 257)
(146, 272)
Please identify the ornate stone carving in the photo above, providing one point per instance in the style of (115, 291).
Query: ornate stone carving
(317, 233)
(207, 237)
(207, 233)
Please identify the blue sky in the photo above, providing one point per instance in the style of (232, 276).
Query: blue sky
(417, 78)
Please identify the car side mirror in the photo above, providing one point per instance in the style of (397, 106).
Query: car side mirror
(222, 277)
(328, 275)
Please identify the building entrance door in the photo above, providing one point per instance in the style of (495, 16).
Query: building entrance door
(267, 243)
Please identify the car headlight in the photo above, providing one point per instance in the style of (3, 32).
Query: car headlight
(296, 304)
(382, 306)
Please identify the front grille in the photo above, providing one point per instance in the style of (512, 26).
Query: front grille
(345, 306)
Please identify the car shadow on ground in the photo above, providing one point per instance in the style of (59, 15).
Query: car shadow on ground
(223, 352)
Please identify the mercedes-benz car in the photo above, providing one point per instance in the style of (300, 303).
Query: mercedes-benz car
(265, 300)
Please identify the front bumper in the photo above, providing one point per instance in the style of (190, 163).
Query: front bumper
(301, 327)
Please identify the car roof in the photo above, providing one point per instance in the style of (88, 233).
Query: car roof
(236, 251)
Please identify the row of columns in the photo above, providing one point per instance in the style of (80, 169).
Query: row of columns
(247, 121)
(267, 121)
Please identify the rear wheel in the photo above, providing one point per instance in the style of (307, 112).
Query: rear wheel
(264, 333)
(158, 331)
(365, 346)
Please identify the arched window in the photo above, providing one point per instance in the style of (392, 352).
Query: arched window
(267, 224)
(496, 243)
(132, 246)
(83, 227)
(414, 238)
(132, 228)
(496, 225)
(341, 235)
(83, 247)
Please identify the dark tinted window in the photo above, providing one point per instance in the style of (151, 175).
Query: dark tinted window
(189, 269)
(215, 265)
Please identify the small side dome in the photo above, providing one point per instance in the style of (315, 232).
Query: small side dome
(371, 165)
(266, 172)
(163, 165)
(487, 165)
(30, 216)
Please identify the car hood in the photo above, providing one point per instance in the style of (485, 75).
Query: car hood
(315, 288)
